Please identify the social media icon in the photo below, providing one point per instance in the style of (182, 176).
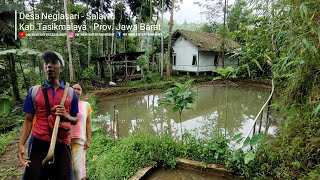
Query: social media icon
(22, 34)
(71, 34)
(119, 34)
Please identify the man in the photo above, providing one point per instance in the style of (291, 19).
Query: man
(61, 168)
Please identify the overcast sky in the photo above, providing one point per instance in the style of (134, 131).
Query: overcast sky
(190, 12)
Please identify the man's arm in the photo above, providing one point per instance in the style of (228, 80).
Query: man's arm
(25, 132)
(72, 116)
(61, 111)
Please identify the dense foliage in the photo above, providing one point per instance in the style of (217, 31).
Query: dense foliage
(283, 37)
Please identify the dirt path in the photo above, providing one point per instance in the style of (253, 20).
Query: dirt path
(10, 168)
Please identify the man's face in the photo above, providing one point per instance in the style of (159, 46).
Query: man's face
(52, 68)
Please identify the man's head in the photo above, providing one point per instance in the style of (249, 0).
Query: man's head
(53, 64)
(77, 88)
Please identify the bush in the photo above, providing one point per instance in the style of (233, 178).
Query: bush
(121, 159)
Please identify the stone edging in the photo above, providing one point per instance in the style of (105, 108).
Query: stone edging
(189, 164)
(139, 174)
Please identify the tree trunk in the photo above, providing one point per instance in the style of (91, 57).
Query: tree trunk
(180, 114)
(162, 51)
(101, 43)
(89, 40)
(224, 33)
(139, 43)
(14, 78)
(68, 43)
(170, 40)
(112, 37)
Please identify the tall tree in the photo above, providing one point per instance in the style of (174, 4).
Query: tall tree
(224, 33)
(71, 73)
(162, 45)
(170, 41)
(213, 10)
(7, 36)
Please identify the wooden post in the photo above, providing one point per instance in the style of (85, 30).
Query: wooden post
(110, 67)
(113, 123)
(268, 110)
(117, 123)
(260, 123)
(126, 58)
(254, 129)
(267, 126)
(267, 120)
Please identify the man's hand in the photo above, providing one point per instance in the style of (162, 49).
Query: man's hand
(60, 111)
(86, 144)
(24, 162)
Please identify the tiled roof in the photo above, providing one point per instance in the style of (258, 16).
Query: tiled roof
(206, 41)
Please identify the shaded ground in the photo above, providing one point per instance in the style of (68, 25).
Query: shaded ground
(10, 167)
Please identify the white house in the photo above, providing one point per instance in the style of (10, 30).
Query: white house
(200, 51)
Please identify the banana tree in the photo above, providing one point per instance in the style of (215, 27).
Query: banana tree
(178, 98)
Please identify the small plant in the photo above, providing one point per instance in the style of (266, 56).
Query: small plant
(226, 73)
(242, 159)
(5, 106)
(250, 142)
(178, 97)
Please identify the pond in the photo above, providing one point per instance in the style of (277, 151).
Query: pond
(229, 110)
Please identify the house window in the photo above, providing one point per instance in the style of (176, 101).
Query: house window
(194, 60)
(174, 60)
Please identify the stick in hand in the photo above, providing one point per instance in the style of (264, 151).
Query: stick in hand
(55, 130)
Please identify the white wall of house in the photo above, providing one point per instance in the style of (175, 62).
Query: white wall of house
(206, 61)
(184, 51)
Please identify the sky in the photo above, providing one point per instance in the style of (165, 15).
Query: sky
(190, 12)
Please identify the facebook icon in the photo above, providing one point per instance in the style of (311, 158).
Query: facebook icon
(119, 34)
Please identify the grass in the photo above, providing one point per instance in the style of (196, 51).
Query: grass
(7, 139)
(120, 159)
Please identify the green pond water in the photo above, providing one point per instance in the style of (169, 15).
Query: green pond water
(229, 110)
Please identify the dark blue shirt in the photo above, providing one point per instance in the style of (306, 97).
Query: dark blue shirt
(28, 106)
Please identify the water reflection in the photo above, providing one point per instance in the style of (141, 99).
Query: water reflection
(216, 110)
